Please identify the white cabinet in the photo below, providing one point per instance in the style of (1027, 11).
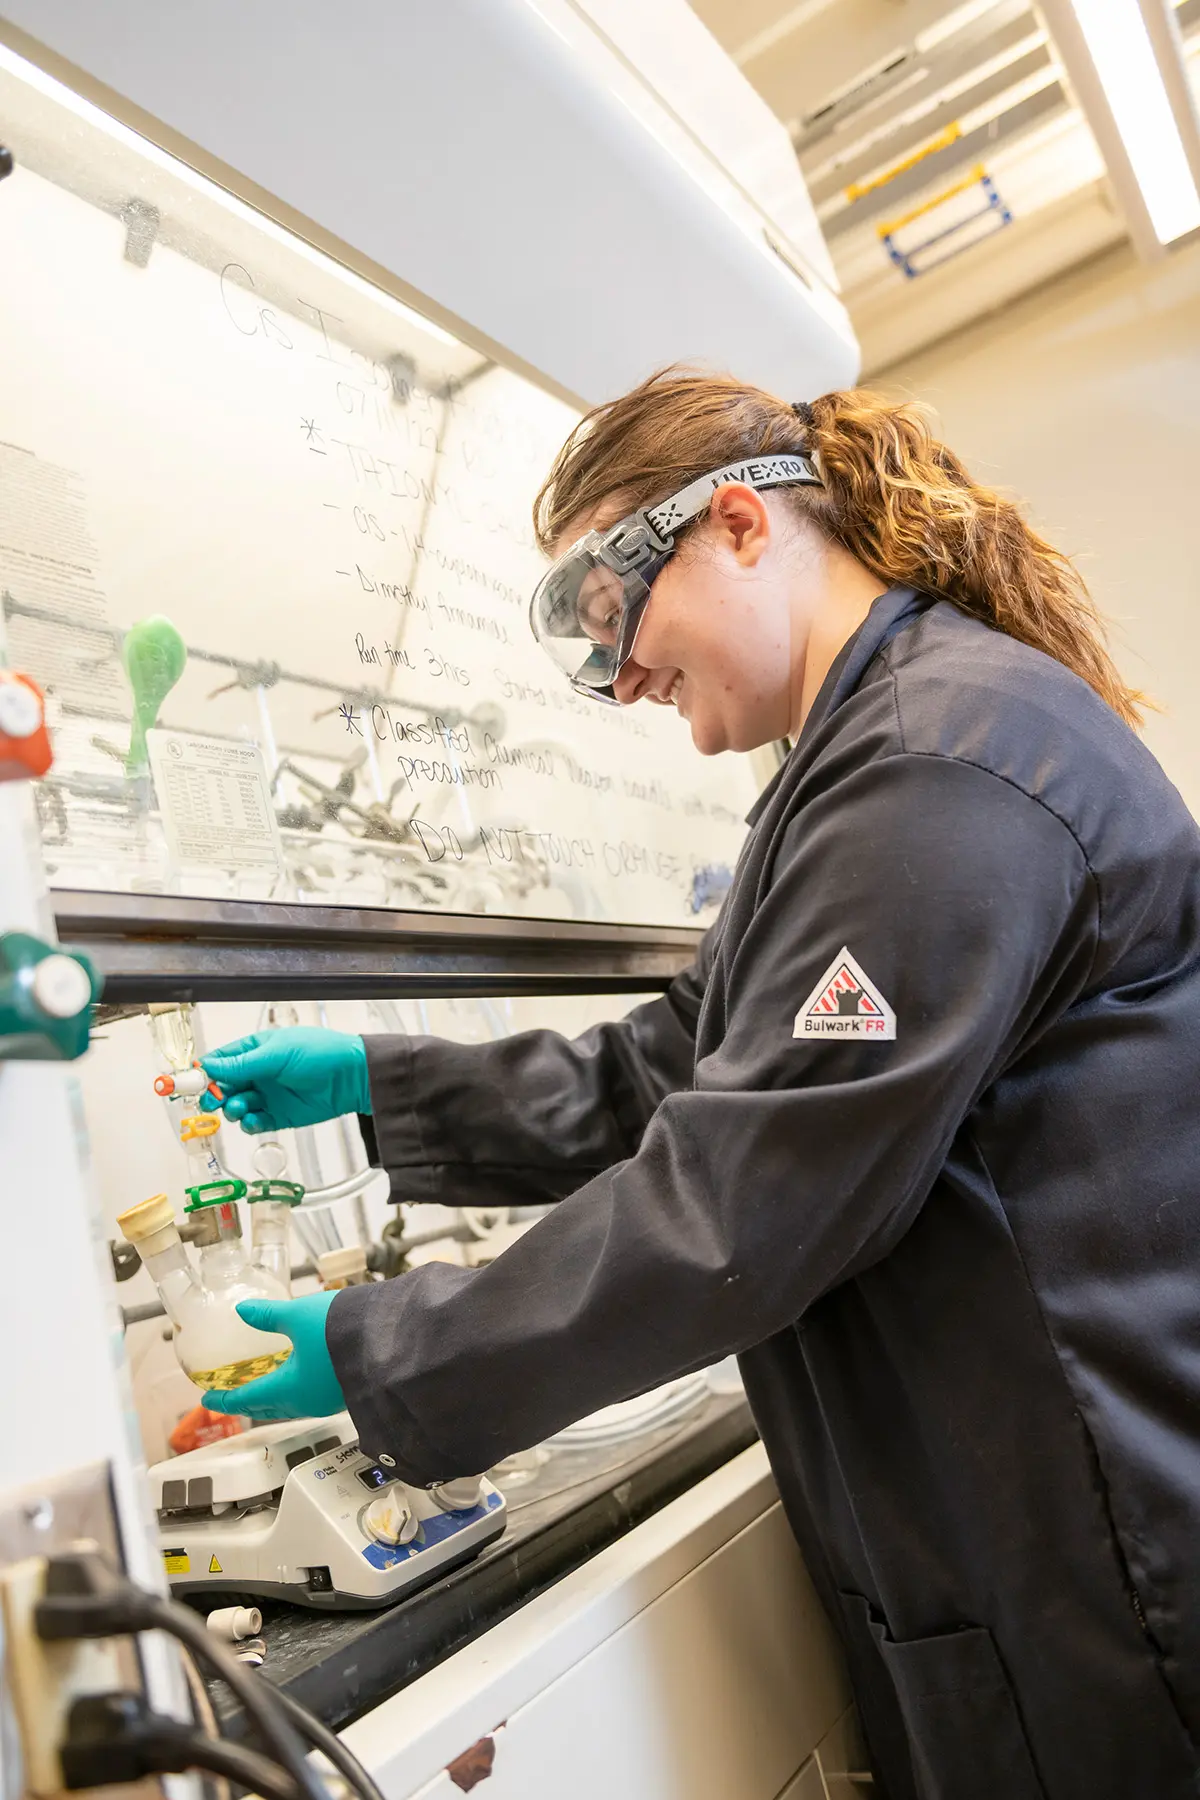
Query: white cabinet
(689, 1661)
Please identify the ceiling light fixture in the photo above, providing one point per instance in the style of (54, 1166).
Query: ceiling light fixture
(1120, 48)
(1124, 61)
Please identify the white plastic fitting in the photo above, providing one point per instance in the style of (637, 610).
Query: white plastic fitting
(343, 1268)
(229, 1623)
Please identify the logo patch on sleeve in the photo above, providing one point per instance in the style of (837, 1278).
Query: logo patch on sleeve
(845, 1003)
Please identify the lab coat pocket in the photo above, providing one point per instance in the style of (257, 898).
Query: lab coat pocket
(964, 1733)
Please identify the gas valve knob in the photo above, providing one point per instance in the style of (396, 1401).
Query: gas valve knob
(389, 1519)
(458, 1496)
(46, 996)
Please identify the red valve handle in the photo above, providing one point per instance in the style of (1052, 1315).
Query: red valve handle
(24, 741)
(164, 1086)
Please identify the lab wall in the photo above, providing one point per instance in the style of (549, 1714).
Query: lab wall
(1084, 399)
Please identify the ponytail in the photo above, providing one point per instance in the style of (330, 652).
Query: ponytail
(893, 496)
(905, 506)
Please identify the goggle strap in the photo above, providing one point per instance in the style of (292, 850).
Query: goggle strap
(756, 472)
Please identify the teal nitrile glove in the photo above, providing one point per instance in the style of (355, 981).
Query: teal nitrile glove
(306, 1386)
(276, 1080)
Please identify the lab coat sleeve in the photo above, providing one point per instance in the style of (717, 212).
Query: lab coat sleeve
(531, 1117)
(795, 1164)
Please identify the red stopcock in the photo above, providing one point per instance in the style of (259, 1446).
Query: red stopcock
(186, 1085)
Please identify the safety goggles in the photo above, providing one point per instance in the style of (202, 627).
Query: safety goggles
(587, 607)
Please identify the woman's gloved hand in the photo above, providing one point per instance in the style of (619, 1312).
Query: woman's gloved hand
(305, 1387)
(276, 1080)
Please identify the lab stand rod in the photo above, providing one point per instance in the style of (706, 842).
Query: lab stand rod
(249, 674)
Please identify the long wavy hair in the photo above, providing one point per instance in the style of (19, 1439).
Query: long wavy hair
(893, 496)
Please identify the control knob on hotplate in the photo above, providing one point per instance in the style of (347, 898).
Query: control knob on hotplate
(390, 1519)
(457, 1496)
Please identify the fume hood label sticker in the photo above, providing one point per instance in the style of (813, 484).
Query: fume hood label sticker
(216, 803)
(54, 606)
(845, 1003)
(176, 1562)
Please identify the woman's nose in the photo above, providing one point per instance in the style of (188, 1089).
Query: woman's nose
(630, 683)
(637, 683)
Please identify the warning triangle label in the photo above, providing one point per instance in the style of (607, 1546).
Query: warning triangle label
(845, 1003)
(214, 1567)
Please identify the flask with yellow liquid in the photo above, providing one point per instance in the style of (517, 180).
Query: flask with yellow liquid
(215, 1348)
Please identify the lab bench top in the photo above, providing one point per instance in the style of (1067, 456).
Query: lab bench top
(340, 1665)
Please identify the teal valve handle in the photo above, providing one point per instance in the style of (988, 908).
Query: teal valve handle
(46, 997)
(154, 656)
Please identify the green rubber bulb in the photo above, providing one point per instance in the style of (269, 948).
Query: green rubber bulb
(154, 656)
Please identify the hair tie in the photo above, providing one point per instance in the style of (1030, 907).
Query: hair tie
(804, 413)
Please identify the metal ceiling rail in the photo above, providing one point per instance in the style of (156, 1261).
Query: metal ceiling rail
(944, 161)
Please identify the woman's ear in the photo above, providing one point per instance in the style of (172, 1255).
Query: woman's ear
(742, 521)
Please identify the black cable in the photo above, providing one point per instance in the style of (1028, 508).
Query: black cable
(115, 1738)
(86, 1598)
(257, 1697)
(202, 1708)
(330, 1746)
(249, 1768)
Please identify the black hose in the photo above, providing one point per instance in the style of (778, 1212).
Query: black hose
(184, 1749)
(83, 1596)
(260, 1699)
(330, 1746)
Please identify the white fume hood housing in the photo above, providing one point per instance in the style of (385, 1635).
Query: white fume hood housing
(508, 161)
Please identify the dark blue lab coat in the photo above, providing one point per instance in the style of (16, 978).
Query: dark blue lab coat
(919, 1138)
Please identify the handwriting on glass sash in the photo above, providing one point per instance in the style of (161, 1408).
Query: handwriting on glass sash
(548, 851)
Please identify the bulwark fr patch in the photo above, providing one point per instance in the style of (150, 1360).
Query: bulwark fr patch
(845, 1003)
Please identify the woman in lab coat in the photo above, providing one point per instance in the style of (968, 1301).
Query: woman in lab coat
(918, 1134)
